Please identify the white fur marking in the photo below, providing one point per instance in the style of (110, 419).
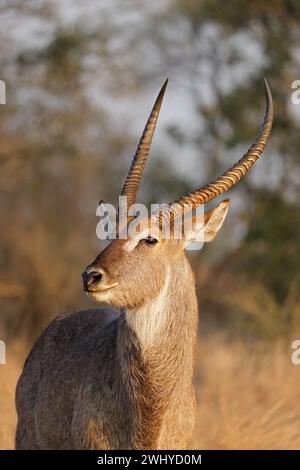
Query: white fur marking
(132, 243)
(147, 320)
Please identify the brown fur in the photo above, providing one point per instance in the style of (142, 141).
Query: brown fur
(98, 379)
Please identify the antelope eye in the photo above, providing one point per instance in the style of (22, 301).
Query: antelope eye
(150, 241)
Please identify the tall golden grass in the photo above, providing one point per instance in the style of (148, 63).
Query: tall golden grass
(248, 395)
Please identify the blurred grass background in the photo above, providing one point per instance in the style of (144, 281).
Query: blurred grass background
(81, 79)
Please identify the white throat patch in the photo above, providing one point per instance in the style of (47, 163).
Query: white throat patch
(147, 320)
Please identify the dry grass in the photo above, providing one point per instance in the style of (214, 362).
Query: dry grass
(248, 396)
(9, 374)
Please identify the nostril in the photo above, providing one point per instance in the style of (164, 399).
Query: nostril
(93, 277)
(97, 277)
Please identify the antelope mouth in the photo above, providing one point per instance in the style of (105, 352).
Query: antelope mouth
(99, 290)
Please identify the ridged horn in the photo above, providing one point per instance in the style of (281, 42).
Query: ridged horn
(237, 171)
(132, 183)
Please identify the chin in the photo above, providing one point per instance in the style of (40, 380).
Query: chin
(111, 298)
(99, 296)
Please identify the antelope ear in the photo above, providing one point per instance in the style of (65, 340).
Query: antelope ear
(213, 220)
(205, 226)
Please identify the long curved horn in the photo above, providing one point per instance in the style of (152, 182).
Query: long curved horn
(237, 171)
(134, 176)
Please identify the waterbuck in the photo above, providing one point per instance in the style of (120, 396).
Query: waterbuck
(120, 377)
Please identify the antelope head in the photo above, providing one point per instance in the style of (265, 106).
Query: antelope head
(132, 271)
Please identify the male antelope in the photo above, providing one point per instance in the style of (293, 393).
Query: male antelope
(120, 377)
